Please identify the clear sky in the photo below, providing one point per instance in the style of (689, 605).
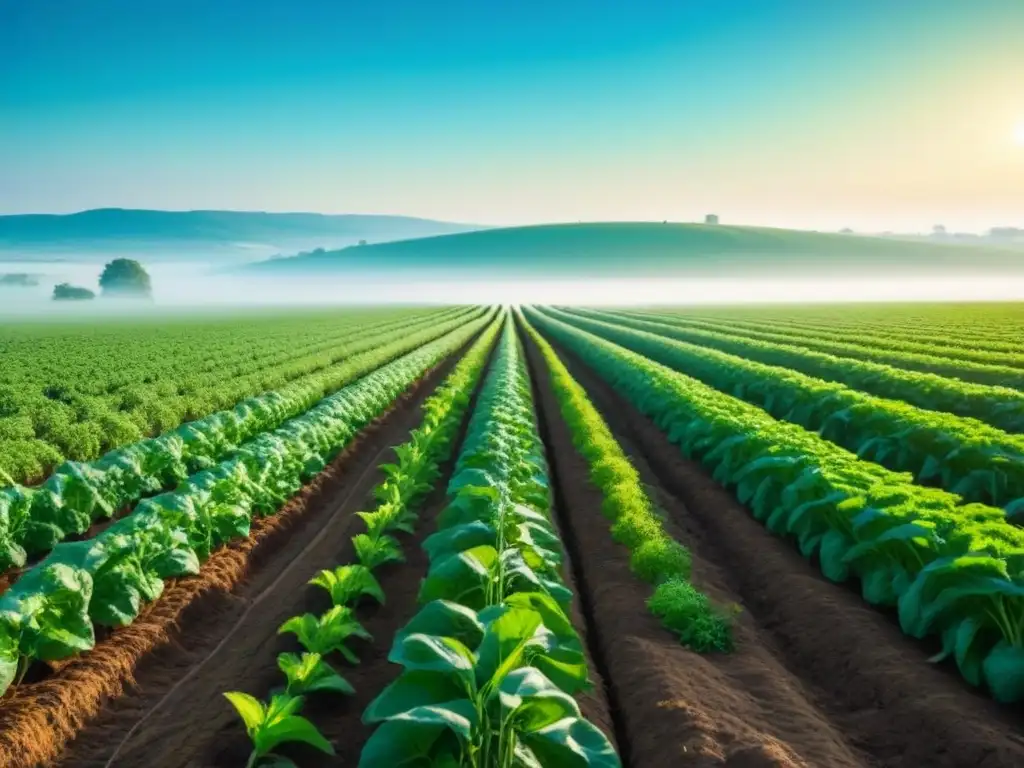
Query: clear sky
(874, 114)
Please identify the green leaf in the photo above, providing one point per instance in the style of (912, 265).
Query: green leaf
(249, 708)
(410, 738)
(430, 653)
(414, 688)
(459, 538)
(443, 617)
(571, 742)
(461, 578)
(347, 583)
(310, 673)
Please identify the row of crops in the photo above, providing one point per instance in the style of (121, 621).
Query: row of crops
(75, 393)
(950, 567)
(490, 660)
(908, 484)
(51, 611)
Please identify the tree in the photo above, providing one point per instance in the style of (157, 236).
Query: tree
(69, 292)
(125, 277)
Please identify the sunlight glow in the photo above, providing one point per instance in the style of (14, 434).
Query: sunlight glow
(1018, 135)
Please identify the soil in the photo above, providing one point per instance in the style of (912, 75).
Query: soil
(163, 676)
(818, 678)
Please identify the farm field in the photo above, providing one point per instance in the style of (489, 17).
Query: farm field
(528, 536)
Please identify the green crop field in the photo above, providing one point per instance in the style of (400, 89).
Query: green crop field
(491, 536)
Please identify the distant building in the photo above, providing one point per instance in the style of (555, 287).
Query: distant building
(711, 218)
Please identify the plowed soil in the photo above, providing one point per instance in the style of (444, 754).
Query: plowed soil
(818, 678)
(161, 695)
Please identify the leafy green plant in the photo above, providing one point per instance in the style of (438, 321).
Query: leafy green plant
(328, 633)
(490, 705)
(309, 673)
(690, 614)
(374, 552)
(270, 726)
(346, 584)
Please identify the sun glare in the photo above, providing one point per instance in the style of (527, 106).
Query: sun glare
(1018, 135)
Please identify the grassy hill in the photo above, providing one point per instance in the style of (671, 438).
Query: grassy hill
(637, 249)
(109, 229)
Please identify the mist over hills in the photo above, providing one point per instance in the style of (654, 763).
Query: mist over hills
(244, 234)
(637, 249)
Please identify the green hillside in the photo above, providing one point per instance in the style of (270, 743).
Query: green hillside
(649, 249)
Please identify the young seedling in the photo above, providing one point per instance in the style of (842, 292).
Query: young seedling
(374, 552)
(310, 673)
(347, 583)
(271, 725)
(328, 633)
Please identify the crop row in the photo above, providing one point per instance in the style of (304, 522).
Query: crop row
(964, 456)
(1000, 407)
(862, 344)
(276, 722)
(49, 413)
(950, 340)
(998, 375)
(989, 324)
(491, 661)
(951, 571)
(656, 558)
(48, 615)
(34, 520)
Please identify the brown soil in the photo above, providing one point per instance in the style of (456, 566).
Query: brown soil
(818, 678)
(161, 678)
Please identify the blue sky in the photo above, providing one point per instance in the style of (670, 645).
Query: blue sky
(808, 113)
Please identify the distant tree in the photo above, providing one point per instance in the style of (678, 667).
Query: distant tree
(846, 231)
(938, 231)
(711, 218)
(362, 242)
(125, 277)
(20, 279)
(69, 292)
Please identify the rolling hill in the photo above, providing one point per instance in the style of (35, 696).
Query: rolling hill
(647, 249)
(116, 229)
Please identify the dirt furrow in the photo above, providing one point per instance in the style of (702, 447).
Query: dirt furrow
(817, 674)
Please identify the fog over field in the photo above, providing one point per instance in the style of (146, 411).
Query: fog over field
(189, 284)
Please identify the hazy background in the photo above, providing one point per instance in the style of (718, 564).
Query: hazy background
(871, 114)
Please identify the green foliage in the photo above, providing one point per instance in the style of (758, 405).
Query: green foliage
(429, 444)
(270, 726)
(969, 458)
(346, 584)
(125, 277)
(689, 613)
(69, 292)
(50, 611)
(124, 381)
(491, 660)
(655, 557)
(309, 673)
(953, 570)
